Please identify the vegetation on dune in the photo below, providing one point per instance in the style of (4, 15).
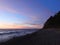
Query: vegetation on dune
(53, 21)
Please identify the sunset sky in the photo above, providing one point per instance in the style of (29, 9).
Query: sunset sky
(26, 14)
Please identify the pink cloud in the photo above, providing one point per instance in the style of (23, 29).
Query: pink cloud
(24, 13)
(22, 26)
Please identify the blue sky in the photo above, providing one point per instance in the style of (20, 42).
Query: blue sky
(28, 13)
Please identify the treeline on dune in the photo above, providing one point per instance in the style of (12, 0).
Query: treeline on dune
(42, 36)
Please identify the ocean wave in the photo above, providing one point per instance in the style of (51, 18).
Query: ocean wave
(8, 34)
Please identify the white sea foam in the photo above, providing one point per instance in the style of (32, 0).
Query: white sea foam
(8, 34)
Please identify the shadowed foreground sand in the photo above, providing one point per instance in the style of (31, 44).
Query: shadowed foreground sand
(41, 37)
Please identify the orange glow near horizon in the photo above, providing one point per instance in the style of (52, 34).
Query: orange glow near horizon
(21, 26)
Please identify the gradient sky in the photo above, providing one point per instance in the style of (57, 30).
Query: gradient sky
(26, 13)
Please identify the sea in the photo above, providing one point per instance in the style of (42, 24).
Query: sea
(7, 34)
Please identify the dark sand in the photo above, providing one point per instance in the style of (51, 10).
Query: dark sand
(41, 37)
